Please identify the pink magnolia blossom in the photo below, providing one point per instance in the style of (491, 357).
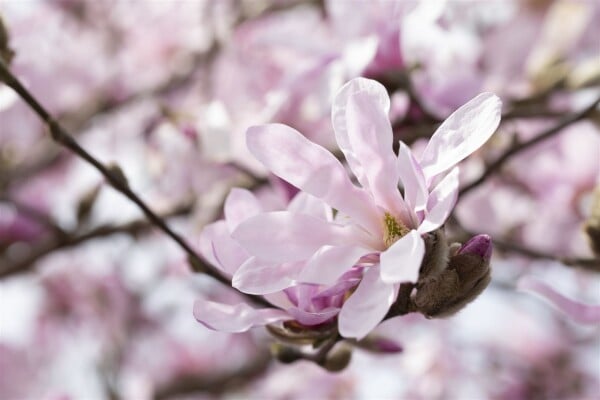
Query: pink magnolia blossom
(305, 303)
(373, 226)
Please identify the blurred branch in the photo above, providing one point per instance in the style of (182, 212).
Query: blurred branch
(72, 239)
(114, 175)
(34, 214)
(520, 147)
(507, 246)
(216, 383)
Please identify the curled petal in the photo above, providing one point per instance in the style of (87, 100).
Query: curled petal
(463, 132)
(313, 169)
(262, 277)
(282, 236)
(580, 312)
(235, 318)
(367, 306)
(401, 262)
(217, 246)
(441, 202)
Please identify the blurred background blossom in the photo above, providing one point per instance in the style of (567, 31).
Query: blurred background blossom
(97, 303)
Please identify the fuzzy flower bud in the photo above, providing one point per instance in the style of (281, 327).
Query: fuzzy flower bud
(467, 275)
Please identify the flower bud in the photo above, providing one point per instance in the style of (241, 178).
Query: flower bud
(379, 344)
(338, 358)
(466, 276)
(286, 354)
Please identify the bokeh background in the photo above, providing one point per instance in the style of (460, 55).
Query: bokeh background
(97, 304)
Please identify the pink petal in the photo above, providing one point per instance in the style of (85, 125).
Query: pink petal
(367, 306)
(217, 246)
(235, 318)
(340, 124)
(329, 263)
(441, 202)
(313, 169)
(463, 132)
(304, 203)
(580, 312)
(240, 205)
(402, 261)
(412, 178)
(282, 236)
(262, 277)
(313, 318)
(370, 134)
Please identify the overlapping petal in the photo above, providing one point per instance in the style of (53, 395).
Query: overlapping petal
(378, 95)
(240, 205)
(440, 203)
(313, 169)
(235, 318)
(401, 262)
(367, 306)
(331, 262)
(262, 277)
(282, 236)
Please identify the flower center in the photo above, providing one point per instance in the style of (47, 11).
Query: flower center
(394, 230)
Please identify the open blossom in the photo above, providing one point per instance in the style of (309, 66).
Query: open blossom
(371, 227)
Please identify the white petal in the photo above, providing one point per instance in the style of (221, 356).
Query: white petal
(401, 262)
(367, 306)
(441, 202)
(240, 205)
(463, 132)
(304, 203)
(217, 246)
(329, 263)
(370, 134)
(340, 124)
(282, 236)
(313, 169)
(235, 318)
(262, 277)
(412, 178)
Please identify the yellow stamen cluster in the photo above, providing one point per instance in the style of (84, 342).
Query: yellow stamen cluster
(394, 230)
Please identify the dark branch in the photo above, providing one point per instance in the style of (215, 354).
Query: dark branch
(520, 147)
(113, 175)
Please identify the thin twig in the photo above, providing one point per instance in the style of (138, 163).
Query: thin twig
(520, 147)
(113, 175)
(216, 383)
(590, 264)
(72, 239)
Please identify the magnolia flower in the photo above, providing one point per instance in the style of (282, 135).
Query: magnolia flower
(373, 226)
(307, 304)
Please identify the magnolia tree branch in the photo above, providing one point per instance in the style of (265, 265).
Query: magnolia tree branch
(114, 175)
(66, 240)
(508, 246)
(520, 147)
(216, 384)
